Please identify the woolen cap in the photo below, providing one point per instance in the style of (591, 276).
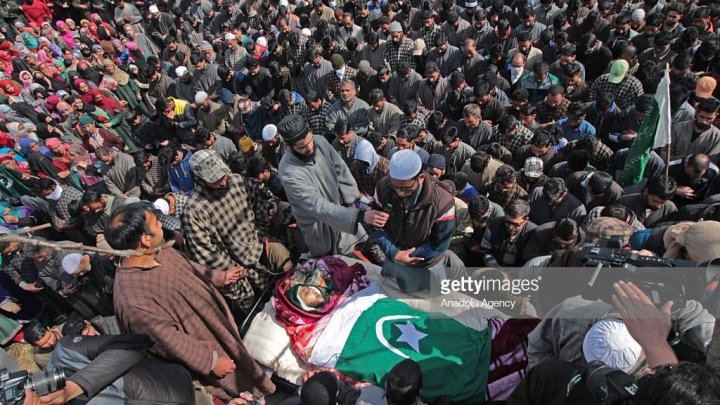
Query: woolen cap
(337, 61)
(395, 27)
(208, 165)
(405, 164)
(364, 67)
(293, 128)
(437, 161)
(86, 120)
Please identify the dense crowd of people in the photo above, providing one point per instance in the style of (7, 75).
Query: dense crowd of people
(426, 137)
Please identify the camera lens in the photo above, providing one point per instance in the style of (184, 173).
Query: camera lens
(45, 382)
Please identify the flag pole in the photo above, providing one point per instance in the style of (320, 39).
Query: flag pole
(669, 137)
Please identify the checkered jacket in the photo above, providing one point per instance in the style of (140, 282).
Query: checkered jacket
(60, 210)
(154, 179)
(174, 222)
(419, 120)
(625, 92)
(394, 55)
(366, 181)
(235, 59)
(221, 233)
(332, 89)
(521, 138)
(429, 35)
(545, 113)
(297, 53)
(316, 119)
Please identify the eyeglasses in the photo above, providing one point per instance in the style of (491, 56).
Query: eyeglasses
(405, 189)
(515, 224)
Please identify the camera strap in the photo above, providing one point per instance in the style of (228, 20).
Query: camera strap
(573, 382)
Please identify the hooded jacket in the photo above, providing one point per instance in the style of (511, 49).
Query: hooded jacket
(181, 177)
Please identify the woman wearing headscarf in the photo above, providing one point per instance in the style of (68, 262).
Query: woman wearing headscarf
(19, 163)
(53, 83)
(106, 40)
(107, 104)
(26, 80)
(83, 90)
(112, 119)
(89, 73)
(65, 37)
(9, 115)
(126, 89)
(87, 169)
(43, 165)
(12, 90)
(36, 11)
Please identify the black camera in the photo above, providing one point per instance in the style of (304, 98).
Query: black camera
(660, 278)
(13, 385)
(608, 385)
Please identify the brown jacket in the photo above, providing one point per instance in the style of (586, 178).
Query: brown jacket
(177, 304)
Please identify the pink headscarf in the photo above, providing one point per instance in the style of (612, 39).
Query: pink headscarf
(66, 36)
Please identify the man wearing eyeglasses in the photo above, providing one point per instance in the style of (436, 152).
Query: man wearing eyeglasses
(506, 237)
(418, 232)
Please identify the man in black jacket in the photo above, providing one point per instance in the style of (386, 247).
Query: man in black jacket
(505, 238)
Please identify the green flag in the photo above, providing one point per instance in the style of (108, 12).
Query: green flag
(11, 183)
(654, 132)
(454, 358)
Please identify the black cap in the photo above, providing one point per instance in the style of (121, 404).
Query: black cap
(293, 128)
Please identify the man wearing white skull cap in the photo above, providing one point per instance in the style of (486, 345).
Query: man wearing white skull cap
(417, 235)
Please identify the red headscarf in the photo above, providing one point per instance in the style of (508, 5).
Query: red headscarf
(5, 83)
(107, 104)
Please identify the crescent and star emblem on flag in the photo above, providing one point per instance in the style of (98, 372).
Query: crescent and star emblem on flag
(409, 334)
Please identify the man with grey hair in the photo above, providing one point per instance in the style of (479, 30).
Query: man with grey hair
(349, 108)
(472, 130)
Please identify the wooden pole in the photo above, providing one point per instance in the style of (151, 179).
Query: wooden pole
(67, 245)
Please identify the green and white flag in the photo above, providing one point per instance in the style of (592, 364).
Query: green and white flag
(370, 333)
(654, 132)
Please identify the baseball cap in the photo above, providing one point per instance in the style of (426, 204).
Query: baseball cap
(618, 69)
(208, 165)
(705, 87)
(533, 167)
